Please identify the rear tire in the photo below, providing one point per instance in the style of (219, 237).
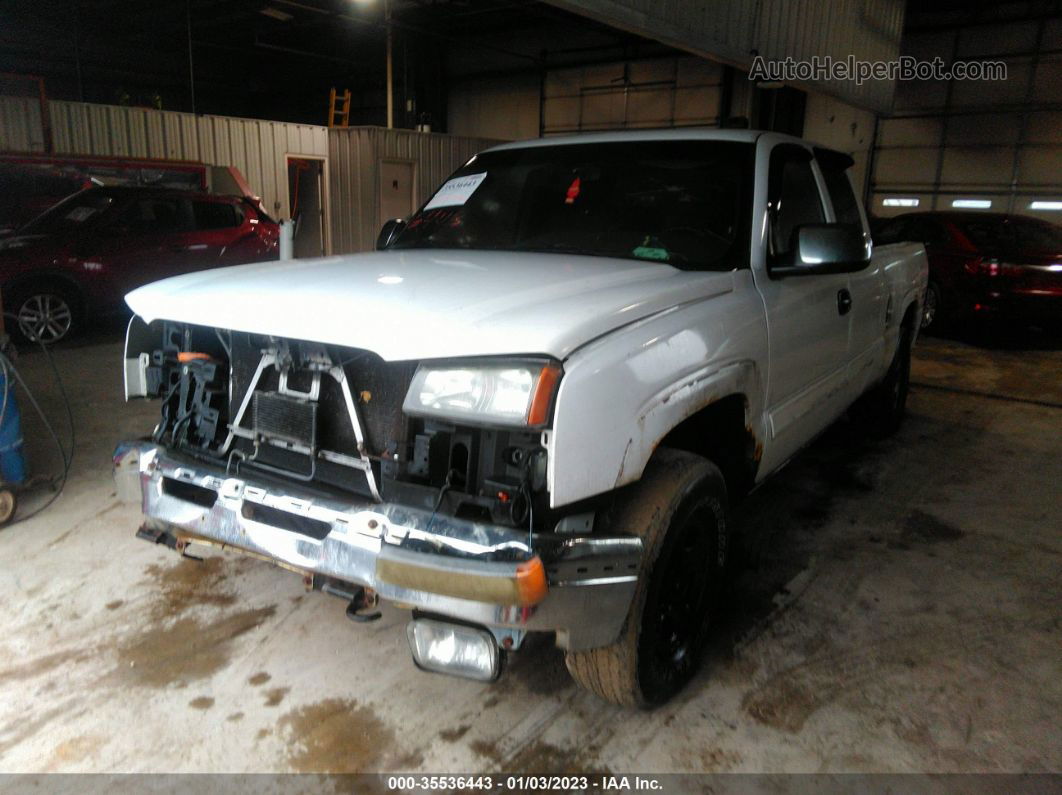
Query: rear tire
(883, 408)
(679, 510)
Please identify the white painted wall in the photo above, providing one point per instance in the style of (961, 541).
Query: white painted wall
(846, 128)
(505, 108)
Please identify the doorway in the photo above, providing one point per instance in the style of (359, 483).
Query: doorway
(306, 205)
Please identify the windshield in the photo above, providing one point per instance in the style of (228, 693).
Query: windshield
(683, 203)
(70, 214)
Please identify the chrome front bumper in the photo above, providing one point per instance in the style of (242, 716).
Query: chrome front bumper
(438, 564)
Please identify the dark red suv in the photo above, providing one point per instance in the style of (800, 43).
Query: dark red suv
(985, 264)
(79, 258)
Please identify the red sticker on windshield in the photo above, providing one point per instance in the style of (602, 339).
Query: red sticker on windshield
(573, 192)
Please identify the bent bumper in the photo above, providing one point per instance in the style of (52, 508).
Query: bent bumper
(475, 572)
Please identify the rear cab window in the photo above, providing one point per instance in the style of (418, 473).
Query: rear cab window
(834, 167)
(793, 197)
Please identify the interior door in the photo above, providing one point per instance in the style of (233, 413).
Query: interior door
(306, 202)
(806, 319)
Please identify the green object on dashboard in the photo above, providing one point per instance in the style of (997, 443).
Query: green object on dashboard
(651, 249)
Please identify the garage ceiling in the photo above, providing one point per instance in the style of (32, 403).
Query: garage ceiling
(734, 31)
(274, 58)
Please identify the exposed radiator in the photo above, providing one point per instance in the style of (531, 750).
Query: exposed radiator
(286, 419)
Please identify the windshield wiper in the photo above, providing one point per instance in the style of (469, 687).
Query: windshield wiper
(563, 248)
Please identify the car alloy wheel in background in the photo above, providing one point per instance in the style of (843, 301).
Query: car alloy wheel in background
(45, 317)
(931, 307)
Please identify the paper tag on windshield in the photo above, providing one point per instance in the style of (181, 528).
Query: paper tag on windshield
(456, 192)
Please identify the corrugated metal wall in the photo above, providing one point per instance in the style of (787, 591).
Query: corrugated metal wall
(730, 30)
(20, 125)
(257, 148)
(353, 162)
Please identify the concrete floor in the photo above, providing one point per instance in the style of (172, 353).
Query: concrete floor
(898, 610)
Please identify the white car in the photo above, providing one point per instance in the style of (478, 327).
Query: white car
(531, 409)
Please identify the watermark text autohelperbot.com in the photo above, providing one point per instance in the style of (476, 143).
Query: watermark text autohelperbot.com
(823, 68)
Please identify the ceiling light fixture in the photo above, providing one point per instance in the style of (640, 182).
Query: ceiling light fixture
(276, 13)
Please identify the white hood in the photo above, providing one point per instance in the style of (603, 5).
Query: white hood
(424, 304)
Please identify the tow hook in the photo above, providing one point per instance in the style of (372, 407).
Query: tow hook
(157, 535)
(358, 597)
(364, 599)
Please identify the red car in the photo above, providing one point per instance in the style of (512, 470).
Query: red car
(79, 258)
(985, 264)
(26, 191)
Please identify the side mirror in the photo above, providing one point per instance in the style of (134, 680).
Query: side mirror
(390, 230)
(824, 248)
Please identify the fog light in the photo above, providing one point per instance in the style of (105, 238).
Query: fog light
(454, 649)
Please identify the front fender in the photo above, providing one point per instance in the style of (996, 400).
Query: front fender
(622, 394)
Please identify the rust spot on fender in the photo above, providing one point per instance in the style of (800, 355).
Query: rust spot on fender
(757, 445)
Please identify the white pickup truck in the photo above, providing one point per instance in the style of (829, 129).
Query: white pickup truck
(530, 409)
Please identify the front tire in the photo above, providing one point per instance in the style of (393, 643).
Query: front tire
(679, 509)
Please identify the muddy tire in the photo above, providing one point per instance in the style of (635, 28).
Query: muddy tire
(679, 510)
(882, 409)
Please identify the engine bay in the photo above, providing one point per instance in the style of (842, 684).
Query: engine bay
(329, 418)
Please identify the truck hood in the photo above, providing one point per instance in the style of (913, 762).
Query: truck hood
(430, 304)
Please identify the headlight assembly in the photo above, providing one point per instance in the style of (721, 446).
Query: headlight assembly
(516, 393)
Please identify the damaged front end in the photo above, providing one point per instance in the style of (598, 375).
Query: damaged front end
(341, 466)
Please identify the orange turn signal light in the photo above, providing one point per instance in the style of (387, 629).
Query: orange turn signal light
(191, 356)
(531, 585)
(538, 414)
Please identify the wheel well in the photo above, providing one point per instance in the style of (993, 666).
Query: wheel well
(720, 432)
(909, 317)
(43, 281)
